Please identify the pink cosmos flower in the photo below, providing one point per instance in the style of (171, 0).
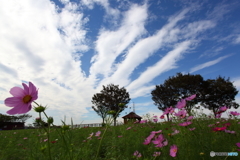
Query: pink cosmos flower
(224, 108)
(168, 110)
(136, 122)
(181, 113)
(234, 113)
(238, 144)
(190, 98)
(155, 120)
(227, 124)
(155, 132)
(191, 129)
(218, 115)
(189, 118)
(181, 104)
(22, 99)
(45, 140)
(148, 139)
(119, 136)
(162, 116)
(173, 150)
(219, 128)
(25, 138)
(228, 131)
(185, 123)
(98, 133)
(160, 141)
(155, 154)
(143, 121)
(129, 128)
(137, 154)
(175, 132)
(210, 125)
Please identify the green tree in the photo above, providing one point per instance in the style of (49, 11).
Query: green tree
(109, 99)
(185, 86)
(20, 118)
(102, 111)
(164, 97)
(176, 88)
(217, 93)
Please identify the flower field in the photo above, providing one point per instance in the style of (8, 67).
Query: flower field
(185, 136)
(147, 140)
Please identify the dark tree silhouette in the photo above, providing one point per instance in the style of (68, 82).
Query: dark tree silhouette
(6, 118)
(102, 111)
(176, 88)
(217, 93)
(185, 86)
(109, 100)
(164, 97)
(20, 118)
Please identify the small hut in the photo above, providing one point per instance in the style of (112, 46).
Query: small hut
(131, 117)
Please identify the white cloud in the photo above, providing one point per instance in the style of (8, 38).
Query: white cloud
(111, 44)
(111, 13)
(237, 40)
(193, 29)
(42, 43)
(144, 48)
(33, 49)
(207, 64)
(237, 83)
(168, 62)
(143, 91)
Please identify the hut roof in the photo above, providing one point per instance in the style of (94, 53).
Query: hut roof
(132, 115)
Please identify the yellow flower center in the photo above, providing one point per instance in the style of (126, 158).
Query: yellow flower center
(27, 99)
(174, 150)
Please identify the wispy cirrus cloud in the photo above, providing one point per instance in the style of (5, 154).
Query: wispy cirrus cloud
(111, 44)
(142, 49)
(168, 62)
(168, 35)
(214, 51)
(237, 39)
(208, 64)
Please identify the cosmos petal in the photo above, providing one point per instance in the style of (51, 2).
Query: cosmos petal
(17, 92)
(24, 108)
(181, 104)
(26, 88)
(15, 110)
(191, 97)
(13, 101)
(32, 88)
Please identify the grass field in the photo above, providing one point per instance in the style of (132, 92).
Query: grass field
(194, 141)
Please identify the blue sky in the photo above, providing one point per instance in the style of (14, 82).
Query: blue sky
(69, 49)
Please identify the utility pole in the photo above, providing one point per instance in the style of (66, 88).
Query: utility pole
(133, 108)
